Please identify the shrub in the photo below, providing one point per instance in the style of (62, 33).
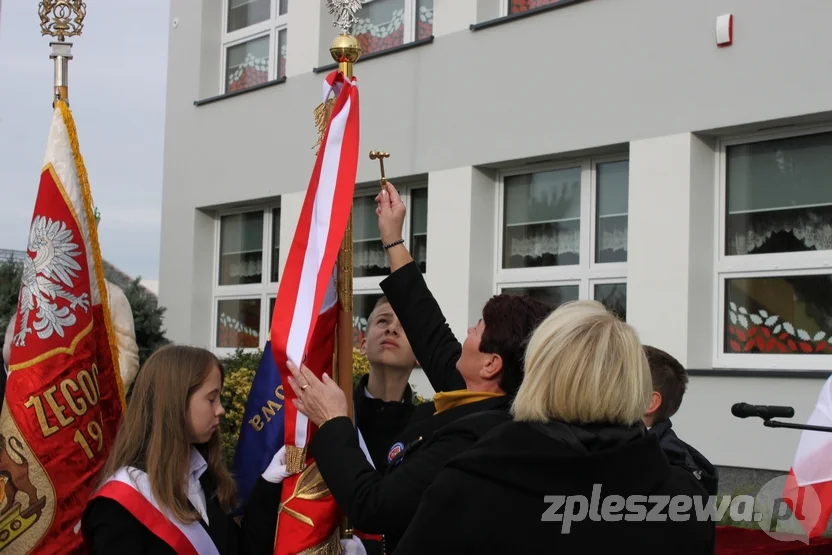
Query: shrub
(239, 375)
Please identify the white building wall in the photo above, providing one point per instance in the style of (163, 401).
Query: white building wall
(643, 78)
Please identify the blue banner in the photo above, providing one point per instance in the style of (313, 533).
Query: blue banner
(261, 433)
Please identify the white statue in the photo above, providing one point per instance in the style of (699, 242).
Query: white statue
(124, 329)
(121, 318)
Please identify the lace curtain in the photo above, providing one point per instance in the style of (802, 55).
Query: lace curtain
(540, 241)
(748, 233)
(370, 259)
(251, 268)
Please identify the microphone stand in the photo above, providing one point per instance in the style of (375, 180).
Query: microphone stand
(775, 424)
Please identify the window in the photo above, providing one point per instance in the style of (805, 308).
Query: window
(774, 282)
(519, 6)
(253, 43)
(369, 261)
(245, 283)
(563, 233)
(383, 24)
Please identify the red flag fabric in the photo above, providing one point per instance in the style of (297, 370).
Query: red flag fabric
(64, 397)
(305, 315)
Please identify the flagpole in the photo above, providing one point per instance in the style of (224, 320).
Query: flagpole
(345, 50)
(61, 19)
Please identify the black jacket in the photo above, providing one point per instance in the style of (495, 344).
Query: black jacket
(110, 529)
(379, 503)
(434, 344)
(492, 499)
(381, 422)
(681, 454)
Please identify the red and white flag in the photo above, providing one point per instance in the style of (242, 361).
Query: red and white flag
(64, 397)
(808, 488)
(305, 315)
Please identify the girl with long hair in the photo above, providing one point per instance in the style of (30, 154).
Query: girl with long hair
(165, 488)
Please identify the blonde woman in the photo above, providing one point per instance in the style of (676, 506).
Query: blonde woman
(574, 471)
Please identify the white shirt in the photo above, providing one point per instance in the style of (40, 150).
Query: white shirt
(195, 493)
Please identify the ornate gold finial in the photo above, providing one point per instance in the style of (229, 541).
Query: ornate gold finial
(62, 18)
(344, 12)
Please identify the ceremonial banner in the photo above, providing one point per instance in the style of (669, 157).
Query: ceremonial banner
(808, 488)
(262, 431)
(64, 396)
(305, 314)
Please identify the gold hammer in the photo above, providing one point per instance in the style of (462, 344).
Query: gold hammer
(380, 156)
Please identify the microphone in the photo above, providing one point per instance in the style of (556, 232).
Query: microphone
(744, 410)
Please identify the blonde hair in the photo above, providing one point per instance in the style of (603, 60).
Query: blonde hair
(154, 433)
(584, 365)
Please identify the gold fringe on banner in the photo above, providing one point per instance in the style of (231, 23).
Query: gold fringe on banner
(295, 459)
(322, 114)
(92, 228)
(332, 546)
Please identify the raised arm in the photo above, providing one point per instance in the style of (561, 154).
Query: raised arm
(434, 344)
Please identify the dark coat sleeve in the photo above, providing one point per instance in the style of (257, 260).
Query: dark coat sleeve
(377, 503)
(434, 344)
(260, 519)
(110, 528)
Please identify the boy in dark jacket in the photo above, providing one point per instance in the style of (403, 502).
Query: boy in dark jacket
(669, 383)
(383, 398)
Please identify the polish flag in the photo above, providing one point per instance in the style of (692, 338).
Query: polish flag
(305, 317)
(808, 488)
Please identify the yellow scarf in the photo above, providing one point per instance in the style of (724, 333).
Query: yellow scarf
(445, 400)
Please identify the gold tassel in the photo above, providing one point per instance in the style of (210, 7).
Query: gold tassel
(322, 114)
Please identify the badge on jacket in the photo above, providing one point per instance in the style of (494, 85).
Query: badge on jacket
(395, 450)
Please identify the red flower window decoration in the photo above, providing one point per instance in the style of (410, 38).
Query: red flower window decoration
(253, 71)
(424, 23)
(762, 332)
(518, 6)
(375, 37)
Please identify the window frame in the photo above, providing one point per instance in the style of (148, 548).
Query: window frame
(371, 285)
(271, 28)
(411, 25)
(264, 291)
(587, 272)
(727, 267)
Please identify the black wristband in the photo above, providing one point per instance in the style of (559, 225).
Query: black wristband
(393, 244)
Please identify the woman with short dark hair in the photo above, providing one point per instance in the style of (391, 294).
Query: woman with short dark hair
(575, 471)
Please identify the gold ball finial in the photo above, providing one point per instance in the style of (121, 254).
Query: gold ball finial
(345, 49)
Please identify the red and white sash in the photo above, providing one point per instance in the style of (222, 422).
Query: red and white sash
(130, 488)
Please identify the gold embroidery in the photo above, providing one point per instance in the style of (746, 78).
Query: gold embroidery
(59, 351)
(295, 459)
(332, 546)
(30, 510)
(309, 487)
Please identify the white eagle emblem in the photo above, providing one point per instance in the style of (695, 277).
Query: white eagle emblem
(44, 278)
